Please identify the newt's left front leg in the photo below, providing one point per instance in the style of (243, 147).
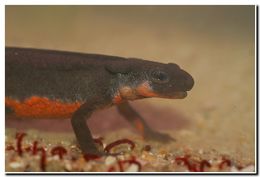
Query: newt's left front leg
(81, 129)
(139, 123)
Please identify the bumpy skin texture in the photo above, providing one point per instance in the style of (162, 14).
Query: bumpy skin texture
(57, 84)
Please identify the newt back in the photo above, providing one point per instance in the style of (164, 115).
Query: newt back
(52, 84)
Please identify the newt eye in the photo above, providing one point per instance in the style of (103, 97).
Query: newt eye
(160, 77)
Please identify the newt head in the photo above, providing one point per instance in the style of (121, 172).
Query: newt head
(143, 79)
(166, 81)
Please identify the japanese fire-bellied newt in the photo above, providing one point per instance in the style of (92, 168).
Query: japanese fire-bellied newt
(57, 84)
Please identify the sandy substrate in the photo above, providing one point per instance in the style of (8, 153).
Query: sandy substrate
(147, 156)
(214, 44)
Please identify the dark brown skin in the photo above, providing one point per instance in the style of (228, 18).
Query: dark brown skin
(57, 84)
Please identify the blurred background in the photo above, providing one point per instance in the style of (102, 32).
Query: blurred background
(215, 44)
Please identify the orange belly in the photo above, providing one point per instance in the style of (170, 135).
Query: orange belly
(41, 107)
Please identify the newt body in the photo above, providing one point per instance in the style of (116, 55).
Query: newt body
(56, 84)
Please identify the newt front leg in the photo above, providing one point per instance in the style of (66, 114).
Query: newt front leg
(81, 129)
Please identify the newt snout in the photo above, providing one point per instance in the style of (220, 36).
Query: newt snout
(187, 81)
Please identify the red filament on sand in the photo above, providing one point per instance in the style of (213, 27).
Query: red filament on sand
(197, 166)
(224, 162)
(204, 163)
(58, 150)
(19, 138)
(43, 158)
(118, 142)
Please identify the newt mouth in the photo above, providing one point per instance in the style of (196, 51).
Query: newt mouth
(179, 95)
(175, 95)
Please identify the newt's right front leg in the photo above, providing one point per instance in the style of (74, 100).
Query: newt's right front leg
(139, 123)
(82, 131)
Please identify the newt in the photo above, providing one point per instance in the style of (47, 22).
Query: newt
(42, 83)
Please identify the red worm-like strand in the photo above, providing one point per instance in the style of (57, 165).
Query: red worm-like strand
(204, 163)
(185, 160)
(19, 138)
(193, 167)
(35, 148)
(43, 158)
(58, 150)
(224, 162)
(118, 142)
